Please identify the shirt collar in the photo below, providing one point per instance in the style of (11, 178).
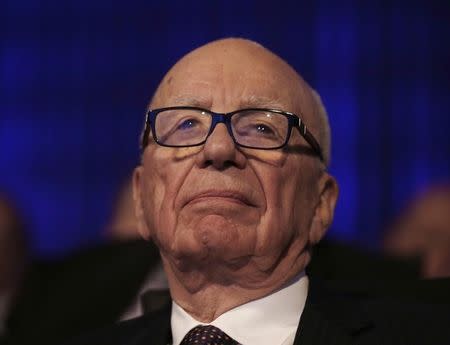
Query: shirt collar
(266, 321)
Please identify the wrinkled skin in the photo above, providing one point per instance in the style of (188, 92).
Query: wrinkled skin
(232, 224)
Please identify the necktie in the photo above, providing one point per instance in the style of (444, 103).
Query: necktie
(207, 335)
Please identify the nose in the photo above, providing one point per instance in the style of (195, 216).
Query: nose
(220, 151)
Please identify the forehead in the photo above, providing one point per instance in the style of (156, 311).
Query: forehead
(232, 78)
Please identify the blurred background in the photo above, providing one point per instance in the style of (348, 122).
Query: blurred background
(76, 76)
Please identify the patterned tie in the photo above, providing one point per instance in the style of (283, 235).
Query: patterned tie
(207, 335)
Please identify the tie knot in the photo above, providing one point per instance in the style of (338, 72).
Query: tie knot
(207, 335)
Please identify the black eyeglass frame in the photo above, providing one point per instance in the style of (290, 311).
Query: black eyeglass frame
(225, 118)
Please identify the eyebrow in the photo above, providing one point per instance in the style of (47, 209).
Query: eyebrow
(193, 101)
(252, 101)
(255, 101)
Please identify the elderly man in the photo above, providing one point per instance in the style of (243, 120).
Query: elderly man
(234, 190)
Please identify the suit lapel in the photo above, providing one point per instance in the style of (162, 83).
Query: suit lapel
(315, 329)
(329, 318)
(153, 329)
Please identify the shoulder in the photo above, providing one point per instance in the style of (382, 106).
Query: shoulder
(151, 328)
(412, 321)
(370, 315)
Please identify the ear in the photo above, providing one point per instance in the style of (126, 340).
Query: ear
(138, 205)
(323, 216)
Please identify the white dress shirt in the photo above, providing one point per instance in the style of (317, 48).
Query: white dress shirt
(271, 320)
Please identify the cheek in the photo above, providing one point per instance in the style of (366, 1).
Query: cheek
(167, 170)
(284, 219)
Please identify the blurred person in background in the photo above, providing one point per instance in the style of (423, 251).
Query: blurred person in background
(88, 288)
(422, 230)
(122, 225)
(66, 296)
(13, 257)
(122, 228)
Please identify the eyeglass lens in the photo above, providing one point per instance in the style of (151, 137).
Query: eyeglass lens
(252, 128)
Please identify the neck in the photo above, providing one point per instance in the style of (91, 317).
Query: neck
(206, 294)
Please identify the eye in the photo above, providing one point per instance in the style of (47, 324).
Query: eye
(263, 129)
(187, 124)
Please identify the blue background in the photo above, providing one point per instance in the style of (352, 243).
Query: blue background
(76, 76)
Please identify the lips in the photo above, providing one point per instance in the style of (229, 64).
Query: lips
(231, 196)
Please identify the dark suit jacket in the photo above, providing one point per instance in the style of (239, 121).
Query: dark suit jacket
(330, 317)
(89, 290)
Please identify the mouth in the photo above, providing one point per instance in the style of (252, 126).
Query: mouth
(223, 196)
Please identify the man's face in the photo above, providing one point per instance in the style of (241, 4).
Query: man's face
(222, 203)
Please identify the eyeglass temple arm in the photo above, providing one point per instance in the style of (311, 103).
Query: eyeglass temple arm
(310, 139)
(146, 132)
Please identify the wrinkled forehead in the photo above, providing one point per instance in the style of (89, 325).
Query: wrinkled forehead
(237, 77)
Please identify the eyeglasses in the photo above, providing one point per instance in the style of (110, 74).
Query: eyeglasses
(255, 128)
